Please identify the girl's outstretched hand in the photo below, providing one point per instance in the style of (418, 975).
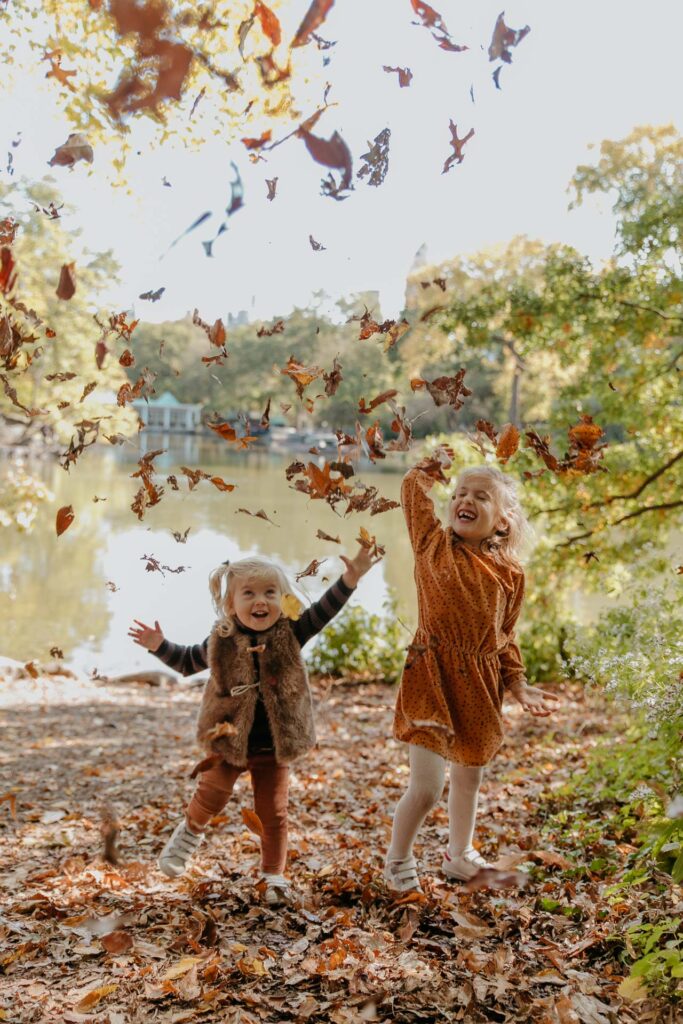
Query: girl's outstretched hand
(539, 702)
(358, 566)
(147, 637)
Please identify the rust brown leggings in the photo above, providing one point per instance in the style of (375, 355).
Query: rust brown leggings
(270, 782)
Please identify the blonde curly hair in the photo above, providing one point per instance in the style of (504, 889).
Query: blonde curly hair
(506, 546)
(222, 584)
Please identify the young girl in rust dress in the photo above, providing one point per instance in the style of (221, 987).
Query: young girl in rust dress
(464, 656)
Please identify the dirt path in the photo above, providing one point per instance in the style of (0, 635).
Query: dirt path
(204, 947)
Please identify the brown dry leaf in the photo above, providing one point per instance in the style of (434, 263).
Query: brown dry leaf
(221, 729)
(181, 967)
(93, 997)
(508, 442)
(369, 542)
(310, 570)
(117, 942)
(267, 332)
(503, 38)
(258, 515)
(316, 246)
(70, 152)
(321, 535)
(457, 156)
(334, 153)
(300, 374)
(253, 822)
(65, 517)
(376, 160)
(432, 20)
(405, 75)
(272, 188)
(313, 19)
(11, 800)
(220, 484)
(127, 358)
(66, 288)
(364, 409)
(492, 878)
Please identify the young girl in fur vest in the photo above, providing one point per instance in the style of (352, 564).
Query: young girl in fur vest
(256, 713)
(463, 659)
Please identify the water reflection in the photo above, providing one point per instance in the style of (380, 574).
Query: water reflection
(59, 591)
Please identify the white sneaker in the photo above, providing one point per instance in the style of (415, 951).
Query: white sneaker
(277, 890)
(177, 852)
(401, 875)
(465, 865)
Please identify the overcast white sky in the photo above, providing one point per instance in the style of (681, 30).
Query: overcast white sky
(588, 70)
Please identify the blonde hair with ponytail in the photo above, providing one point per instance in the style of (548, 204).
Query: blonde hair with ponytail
(506, 546)
(222, 583)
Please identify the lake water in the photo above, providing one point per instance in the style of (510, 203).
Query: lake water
(59, 591)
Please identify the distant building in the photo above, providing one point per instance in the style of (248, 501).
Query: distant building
(168, 415)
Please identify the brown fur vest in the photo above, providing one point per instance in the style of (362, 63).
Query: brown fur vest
(225, 719)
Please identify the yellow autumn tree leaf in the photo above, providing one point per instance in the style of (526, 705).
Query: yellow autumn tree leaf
(291, 606)
(182, 967)
(93, 997)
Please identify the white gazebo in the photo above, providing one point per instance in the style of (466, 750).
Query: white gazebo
(167, 414)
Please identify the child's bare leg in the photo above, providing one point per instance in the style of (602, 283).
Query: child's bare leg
(270, 781)
(427, 774)
(211, 795)
(462, 806)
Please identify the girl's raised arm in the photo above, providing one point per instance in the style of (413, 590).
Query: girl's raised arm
(418, 507)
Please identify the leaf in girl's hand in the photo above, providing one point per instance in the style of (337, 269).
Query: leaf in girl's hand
(369, 542)
(253, 822)
(457, 156)
(508, 442)
(310, 570)
(291, 606)
(404, 75)
(313, 19)
(65, 518)
(321, 535)
(66, 288)
(221, 729)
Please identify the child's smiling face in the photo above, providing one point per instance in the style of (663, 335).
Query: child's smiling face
(256, 602)
(474, 511)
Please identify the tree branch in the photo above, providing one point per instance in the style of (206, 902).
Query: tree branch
(647, 309)
(622, 519)
(618, 497)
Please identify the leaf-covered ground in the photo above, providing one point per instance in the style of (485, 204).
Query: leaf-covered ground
(86, 940)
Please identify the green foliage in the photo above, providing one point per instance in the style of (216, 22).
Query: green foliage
(361, 645)
(22, 495)
(656, 952)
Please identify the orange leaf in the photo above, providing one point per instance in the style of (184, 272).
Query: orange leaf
(65, 518)
(508, 442)
(117, 942)
(92, 998)
(253, 822)
(314, 17)
(11, 800)
(66, 288)
(269, 23)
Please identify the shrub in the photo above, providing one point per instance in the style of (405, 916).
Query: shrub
(358, 643)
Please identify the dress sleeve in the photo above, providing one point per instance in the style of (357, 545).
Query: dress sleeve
(186, 660)
(511, 663)
(418, 508)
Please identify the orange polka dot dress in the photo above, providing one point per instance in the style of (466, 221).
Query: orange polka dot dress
(464, 652)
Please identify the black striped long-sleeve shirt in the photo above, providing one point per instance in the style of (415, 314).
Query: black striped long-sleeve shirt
(188, 659)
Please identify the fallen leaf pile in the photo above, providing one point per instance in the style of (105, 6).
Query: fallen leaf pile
(87, 939)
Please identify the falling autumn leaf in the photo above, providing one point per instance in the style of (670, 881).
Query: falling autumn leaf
(272, 188)
(508, 443)
(431, 19)
(364, 409)
(321, 535)
(376, 160)
(70, 152)
(269, 22)
(253, 822)
(291, 606)
(152, 296)
(257, 515)
(405, 75)
(316, 246)
(458, 144)
(310, 570)
(313, 19)
(65, 518)
(66, 288)
(503, 38)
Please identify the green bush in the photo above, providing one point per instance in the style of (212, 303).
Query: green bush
(361, 644)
